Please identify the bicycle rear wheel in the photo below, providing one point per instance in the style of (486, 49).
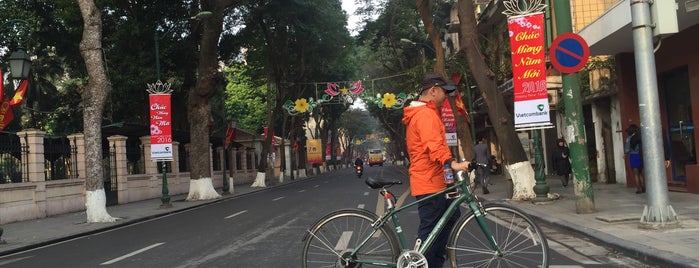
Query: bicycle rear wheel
(332, 238)
(521, 241)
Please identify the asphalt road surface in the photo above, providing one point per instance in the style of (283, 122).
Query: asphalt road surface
(265, 229)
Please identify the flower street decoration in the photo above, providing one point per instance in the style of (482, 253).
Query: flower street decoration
(522, 7)
(392, 101)
(332, 91)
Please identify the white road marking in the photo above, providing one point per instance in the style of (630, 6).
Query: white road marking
(366, 193)
(278, 198)
(361, 206)
(132, 254)
(316, 186)
(236, 214)
(343, 241)
(301, 191)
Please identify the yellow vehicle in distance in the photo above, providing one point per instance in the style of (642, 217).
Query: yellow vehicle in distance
(375, 157)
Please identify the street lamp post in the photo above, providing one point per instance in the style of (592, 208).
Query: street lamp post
(164, 88)
(226, 189)
(20, 62)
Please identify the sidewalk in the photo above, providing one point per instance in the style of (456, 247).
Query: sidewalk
(616, 220)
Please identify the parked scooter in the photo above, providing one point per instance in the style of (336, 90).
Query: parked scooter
(359, 170)
(495, 167)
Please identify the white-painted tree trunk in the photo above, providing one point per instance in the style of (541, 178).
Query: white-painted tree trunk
(523, 181)
(281, 177)
(202, 189)
(259, 180)
(96, 207)
(302, 173)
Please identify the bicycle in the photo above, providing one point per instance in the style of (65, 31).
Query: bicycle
(489, 235)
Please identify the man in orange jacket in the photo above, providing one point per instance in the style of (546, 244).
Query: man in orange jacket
(427, 147)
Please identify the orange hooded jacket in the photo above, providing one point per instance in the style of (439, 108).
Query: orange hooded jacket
(427, 147)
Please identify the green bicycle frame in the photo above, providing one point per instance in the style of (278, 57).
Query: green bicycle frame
(392, 214)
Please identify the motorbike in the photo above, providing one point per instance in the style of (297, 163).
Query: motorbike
(359, 170)
(495, 167)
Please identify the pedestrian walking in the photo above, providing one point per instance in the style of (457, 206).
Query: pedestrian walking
(633, 151)
(425, 139)
(561, 161)
(482, 156)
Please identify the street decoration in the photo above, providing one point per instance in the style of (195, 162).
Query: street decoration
(160, 121)
(7, 104)
(522, 7)
(313, 151)
(529, 71)
(334, 93)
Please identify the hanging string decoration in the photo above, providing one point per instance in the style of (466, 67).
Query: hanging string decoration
(333, 92)
(391, 100)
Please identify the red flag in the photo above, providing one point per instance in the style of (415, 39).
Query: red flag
(461, 107)
(19, 94)
(6, 115)
(2, 86)
(230, 135)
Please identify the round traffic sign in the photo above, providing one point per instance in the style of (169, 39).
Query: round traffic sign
(569, 53)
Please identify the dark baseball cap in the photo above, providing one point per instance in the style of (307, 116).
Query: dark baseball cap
(431, 80)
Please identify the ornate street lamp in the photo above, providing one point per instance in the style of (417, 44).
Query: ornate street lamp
(20, 64)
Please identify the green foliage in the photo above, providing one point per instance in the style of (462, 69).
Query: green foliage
(245, 99)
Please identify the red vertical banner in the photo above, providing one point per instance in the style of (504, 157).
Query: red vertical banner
(529, 70)
(449, 123)
(160, 127)
(328, 153)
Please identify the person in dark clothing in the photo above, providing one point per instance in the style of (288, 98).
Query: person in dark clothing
(632, 149)
(358, 162)
(482, 156)
(561, 161)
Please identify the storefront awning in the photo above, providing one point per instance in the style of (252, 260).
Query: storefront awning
(610, 34)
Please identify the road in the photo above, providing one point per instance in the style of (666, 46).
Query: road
(264, 229)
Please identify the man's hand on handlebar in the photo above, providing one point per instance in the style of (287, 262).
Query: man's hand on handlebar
(456, 166)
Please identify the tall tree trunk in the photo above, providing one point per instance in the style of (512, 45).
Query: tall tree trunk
(94, 97)
(199, 101)
(463, 130)
(517, 165)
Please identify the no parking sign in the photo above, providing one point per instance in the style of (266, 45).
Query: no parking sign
(569, 53)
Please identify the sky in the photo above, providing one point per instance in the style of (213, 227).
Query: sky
(349, 6)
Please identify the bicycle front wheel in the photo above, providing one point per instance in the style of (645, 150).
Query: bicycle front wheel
(331, 240)
(521, 241)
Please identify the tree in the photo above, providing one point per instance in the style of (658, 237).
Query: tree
(199, 102)
(94, 96)
(463, 130)
(517, 164)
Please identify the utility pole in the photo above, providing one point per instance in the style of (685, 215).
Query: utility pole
(658, 213)
(575, 131)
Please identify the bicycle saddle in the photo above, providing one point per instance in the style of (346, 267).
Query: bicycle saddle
(376, 183)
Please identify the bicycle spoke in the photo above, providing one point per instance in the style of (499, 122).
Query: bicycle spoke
(520, 241)
(336, 236)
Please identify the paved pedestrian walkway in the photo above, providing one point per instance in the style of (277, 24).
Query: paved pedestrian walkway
(615, 222)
